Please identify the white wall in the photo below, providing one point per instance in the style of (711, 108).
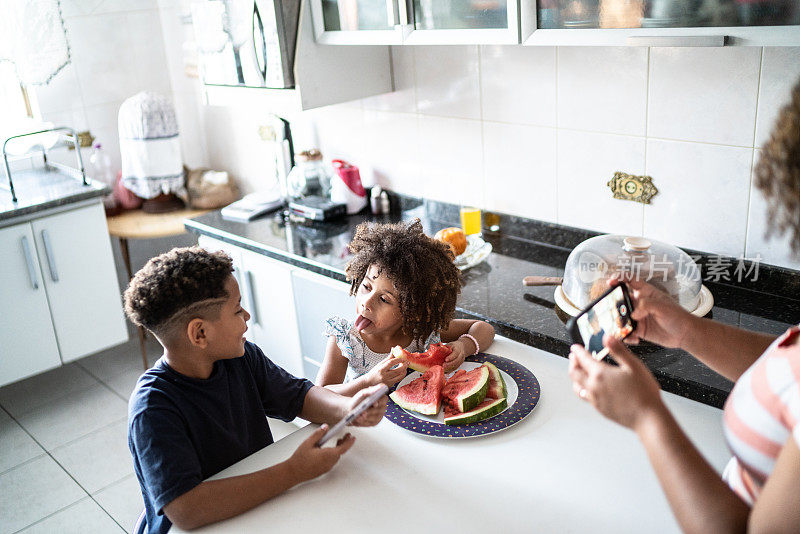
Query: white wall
(539, 131)
(117, 49)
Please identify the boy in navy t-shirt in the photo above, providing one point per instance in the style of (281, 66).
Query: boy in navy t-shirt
(203, 405)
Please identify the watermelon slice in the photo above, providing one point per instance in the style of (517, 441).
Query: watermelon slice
(484, 410)
(424, 394)
(422, 361)
(466, 389)
(497, 386)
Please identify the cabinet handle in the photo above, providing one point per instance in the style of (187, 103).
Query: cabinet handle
(48, 250)
(676, 40)
(393, 11)
(403, 10)
(26, 248)
(252, 297)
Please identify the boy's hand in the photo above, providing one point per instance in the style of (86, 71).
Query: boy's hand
(459, 352)
(375, 413)
(310, 461)
(388, 371)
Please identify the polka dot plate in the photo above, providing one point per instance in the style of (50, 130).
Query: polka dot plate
(523, 395)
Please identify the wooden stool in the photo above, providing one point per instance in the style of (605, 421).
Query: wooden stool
(136, 224)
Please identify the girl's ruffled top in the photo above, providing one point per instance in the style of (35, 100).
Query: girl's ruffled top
(360, 356)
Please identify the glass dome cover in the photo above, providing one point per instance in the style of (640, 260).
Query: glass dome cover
(663, 265)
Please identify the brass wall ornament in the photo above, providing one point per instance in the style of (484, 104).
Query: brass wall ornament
(85, 140)
(630, 187)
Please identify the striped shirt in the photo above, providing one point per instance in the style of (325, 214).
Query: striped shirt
(762, 411)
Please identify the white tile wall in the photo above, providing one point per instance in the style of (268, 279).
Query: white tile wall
(780, 69)
(702, 199)
(391, 151)
(450, 157)
(586, 162)
(518, 84)
(704, 94)
(774, 250)
(611, 109)
(602, 89)
(520, 170)
(448, 83)
(404, 97)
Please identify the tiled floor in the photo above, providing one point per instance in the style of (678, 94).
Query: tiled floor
(64, 461)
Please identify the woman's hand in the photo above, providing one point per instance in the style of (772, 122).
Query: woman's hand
(458, 354)
(388, 371)
(626, 394)
(659, 318)
(374, 413)
(310, 461)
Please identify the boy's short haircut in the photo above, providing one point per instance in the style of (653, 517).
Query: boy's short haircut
(427, 281)
(176, 286)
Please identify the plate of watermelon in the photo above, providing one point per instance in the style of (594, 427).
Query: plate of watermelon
(486, 394)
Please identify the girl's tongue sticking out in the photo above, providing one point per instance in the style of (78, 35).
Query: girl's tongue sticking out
(362, 323)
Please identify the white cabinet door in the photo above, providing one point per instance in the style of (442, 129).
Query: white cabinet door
(316, 298)
(235, 253)
(267, 287)
(81, 281)
(27, 341)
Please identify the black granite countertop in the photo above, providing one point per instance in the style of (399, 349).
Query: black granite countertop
(42, 189)
(493, 290)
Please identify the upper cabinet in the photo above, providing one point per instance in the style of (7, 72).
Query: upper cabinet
(667, 22)
(423, 21)
(357, 21)
(559, 22)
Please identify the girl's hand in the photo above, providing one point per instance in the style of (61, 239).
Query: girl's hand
(626, 394)
(659, 318)
(458, 354)
(310, 461)
(388, 371)
(375, 413)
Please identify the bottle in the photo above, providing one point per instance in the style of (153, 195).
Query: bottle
(375, 204)
(100, 171)
(386, 205)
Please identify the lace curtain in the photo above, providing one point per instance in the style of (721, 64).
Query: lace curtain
(33, 38)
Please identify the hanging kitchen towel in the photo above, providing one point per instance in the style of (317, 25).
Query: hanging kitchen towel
(33, 37)
(149, 146)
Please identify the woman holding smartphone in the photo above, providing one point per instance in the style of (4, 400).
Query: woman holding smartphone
(760, 488)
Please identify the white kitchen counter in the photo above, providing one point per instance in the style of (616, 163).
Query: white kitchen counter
(564, 468)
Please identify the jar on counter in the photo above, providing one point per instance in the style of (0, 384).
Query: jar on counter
(310, 175)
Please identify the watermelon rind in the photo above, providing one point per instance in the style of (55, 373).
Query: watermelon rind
(477, 414)
(497, 388)
(469, 399)
(424, 409)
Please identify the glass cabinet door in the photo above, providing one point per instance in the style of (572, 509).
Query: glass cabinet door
(666, 13)
(466, 21)
(748, 22)
(357, 21)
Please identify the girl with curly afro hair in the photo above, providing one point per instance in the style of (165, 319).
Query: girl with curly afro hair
(406, 285)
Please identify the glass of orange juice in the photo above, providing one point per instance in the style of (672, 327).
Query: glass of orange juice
(470, 220)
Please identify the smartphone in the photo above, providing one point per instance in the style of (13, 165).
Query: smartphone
(355, 412)
(608, 314)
